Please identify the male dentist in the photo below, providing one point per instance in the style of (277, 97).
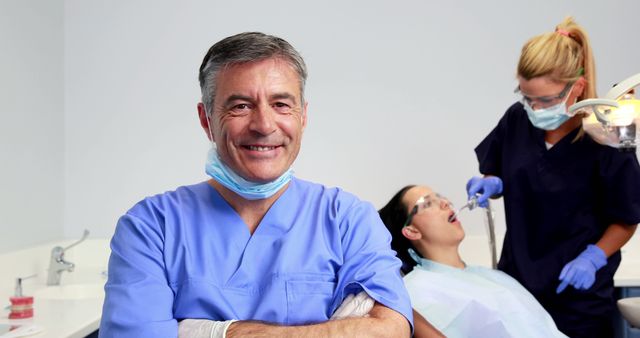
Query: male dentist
(254, 250)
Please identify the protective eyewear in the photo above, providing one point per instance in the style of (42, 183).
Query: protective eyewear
(426, 202)
(545, 101)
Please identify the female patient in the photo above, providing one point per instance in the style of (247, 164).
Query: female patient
(459, 300)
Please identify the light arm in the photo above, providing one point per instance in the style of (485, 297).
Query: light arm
(423, 329)
(381, 322)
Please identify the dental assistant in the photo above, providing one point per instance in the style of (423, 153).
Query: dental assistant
(570, 203)
(253, 249)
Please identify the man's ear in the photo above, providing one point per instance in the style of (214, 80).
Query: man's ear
(411, 233)
(204, 120)
(304, 115)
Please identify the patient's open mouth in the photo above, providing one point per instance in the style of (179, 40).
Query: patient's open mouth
(452, 217)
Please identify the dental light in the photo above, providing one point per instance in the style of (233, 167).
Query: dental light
(614, 119)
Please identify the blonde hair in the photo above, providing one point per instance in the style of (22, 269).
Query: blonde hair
(563, 55)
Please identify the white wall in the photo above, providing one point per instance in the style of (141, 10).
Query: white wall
(31, 122)
(399, 91)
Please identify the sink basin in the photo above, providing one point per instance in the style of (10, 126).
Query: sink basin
(71, 291)
(630, 309)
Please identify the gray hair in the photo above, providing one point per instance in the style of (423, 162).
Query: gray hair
(242, 48)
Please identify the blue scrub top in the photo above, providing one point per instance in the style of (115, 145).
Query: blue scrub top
(557, 201)
(188, 254)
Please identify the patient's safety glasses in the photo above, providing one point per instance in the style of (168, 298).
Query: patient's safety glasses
(544, 101)
(426, 202)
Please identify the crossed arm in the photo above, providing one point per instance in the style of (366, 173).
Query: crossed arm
(423, 329)
(381, 322)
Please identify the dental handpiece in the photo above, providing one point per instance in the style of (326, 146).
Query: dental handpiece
(471, 204)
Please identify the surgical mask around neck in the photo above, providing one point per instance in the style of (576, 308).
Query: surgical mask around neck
(236, 183)
(548, 118)
(224, 175)
(415, 256)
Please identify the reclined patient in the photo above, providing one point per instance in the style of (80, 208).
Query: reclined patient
(459, 300)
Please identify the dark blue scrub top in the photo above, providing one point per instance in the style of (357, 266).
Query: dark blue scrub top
(557, 201)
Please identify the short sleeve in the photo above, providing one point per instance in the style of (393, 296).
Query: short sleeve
(621, 184)
(138, 299)
(489, 151)
(369, 262)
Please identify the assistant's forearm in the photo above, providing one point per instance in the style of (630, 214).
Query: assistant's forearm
(382, 322)
(615, 237)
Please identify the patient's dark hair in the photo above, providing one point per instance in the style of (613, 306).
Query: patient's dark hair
(394, 214)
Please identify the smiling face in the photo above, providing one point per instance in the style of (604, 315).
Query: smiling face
(258, 118)
(431, 223)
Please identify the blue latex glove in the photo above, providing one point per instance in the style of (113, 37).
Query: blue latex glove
(581, 272)
(486, 187)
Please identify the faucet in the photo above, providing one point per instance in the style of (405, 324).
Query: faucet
(57, 264)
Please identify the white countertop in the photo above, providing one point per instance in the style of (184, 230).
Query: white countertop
(62, 318)
(74, 317)
(628, 274)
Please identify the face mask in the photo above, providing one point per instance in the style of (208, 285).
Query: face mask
(247, 189)
(548, 118)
